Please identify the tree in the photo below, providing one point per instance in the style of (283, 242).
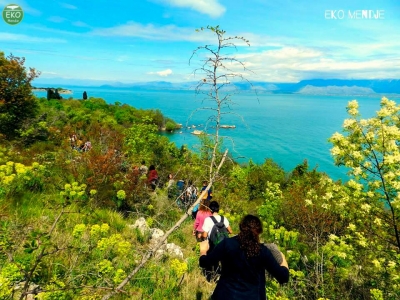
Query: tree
(370, 149)
(17, 103)
(217, 73)
(50, 94)
(53, 94)
(141, 139)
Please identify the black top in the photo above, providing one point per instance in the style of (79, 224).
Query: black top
(242, 278)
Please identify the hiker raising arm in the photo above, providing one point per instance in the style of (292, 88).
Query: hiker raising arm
(244, 262)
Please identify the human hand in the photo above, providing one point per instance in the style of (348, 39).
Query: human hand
(204, 246)
(284, 261)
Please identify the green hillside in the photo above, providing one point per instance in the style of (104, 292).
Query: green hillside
(66, 215)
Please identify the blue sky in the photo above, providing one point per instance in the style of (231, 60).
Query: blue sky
(151, 40)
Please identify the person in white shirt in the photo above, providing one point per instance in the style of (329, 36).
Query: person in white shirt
(212, 271)
(209, 223)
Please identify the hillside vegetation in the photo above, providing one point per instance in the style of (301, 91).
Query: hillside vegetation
(65, 215)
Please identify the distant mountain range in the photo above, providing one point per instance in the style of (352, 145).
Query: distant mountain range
(310, 87)
(329, 87)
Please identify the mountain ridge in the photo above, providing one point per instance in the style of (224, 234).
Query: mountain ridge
(309, 86)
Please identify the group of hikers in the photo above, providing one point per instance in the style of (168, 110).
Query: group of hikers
(77, 143)
(185, 192)
(237, 263)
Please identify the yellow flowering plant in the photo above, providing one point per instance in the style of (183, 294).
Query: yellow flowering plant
(74, 192)
(369, 148)
(16, 176)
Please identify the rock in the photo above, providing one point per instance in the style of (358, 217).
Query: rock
(141, 225)
(170, 249)
(174, 250)
(155, 235)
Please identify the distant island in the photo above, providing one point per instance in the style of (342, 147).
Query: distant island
(60, 90)
(335, 90)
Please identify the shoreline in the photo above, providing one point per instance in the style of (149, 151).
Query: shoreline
(60, 91)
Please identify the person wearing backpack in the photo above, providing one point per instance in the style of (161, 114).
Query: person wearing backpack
(215, 229)
(191, 192)
(244, 262)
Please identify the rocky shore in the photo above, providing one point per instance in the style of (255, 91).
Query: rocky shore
(60, 91)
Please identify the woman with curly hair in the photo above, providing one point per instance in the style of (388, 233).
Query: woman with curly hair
(244, 261)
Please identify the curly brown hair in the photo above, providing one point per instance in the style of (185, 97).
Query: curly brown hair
(249, 236)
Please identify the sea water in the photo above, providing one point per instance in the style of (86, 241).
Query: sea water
(288, 128)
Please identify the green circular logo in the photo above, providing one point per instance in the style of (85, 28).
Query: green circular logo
(13, 14)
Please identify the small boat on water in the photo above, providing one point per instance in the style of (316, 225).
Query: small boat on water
(228, 126)
(197, 132)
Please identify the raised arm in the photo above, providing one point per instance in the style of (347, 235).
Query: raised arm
(279, 271)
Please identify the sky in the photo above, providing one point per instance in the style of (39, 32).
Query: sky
(152, 40)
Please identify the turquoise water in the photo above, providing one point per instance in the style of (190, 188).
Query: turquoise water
(287, 128)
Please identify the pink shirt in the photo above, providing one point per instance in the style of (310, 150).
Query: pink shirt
(200, 217)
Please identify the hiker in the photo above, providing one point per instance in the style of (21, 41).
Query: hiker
(208, 195)
(180, 192)
(202, 213)
(73, 140)
(171, 188)
(143, 168)
(190, 193)
(195, 211)
(135, 172)
(87, 146)
(180, 185)
(209, 222)
(171, 181)
(244, 262)
(79, 144)
(153, 177)
(210, 228)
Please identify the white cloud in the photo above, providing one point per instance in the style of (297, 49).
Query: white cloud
(68, 6)
(56, 19)
(209, 7)
(80, 24)
(122, 58)
(151, 32)
(48, 73)
(22, 38)
(163, 73)
(292, 64)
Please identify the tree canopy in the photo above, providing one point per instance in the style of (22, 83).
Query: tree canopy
(17, 103)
